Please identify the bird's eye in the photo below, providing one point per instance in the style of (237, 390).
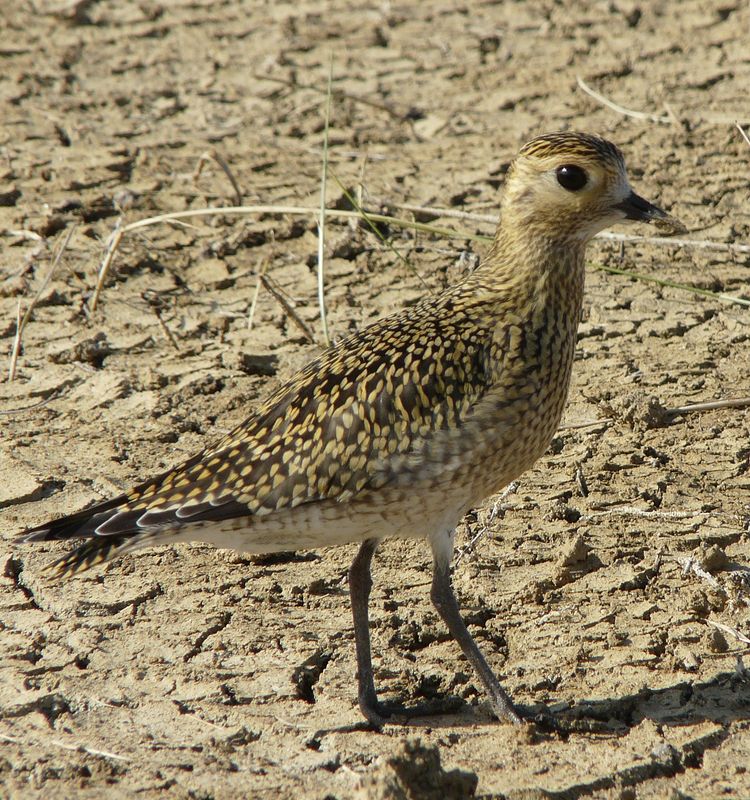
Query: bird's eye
(571, 177)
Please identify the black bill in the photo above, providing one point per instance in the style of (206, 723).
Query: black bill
(636, 208)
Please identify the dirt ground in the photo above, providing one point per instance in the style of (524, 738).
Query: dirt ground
(613, 584)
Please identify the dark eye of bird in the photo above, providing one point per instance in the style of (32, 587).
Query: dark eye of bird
(571, 177)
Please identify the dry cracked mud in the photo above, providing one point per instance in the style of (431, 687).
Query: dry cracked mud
(611, 586)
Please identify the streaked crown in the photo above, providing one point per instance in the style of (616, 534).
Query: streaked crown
(572, 144)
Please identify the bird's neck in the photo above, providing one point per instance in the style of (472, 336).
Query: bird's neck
(528, 270)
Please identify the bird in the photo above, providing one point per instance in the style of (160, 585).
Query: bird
(400, 428)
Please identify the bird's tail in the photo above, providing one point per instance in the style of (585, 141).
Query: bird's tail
(97, 548)
(158, 509)
(76, 526)
(96, 551)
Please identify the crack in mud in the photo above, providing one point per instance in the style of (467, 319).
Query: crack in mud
(308, 673)
(14, 571)
(86, 607)
(666, 762)
(224, 619)
(52, 706)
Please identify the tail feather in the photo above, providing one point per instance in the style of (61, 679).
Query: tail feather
(91, 553)
(79, 525)
(97, 548)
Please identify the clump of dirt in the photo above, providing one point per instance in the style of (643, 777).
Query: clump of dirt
(610, 591)
(414, 772)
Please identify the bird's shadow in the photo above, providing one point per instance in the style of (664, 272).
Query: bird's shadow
(723, 699)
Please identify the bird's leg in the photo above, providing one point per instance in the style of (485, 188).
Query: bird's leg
(360, 583)
(445, 602)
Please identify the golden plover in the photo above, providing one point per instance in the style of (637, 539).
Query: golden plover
(404, 426)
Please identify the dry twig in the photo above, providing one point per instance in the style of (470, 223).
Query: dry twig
(256, 293)
(574, 426)
(497, 507)
(287, 306)
(322, 217)
(696, 244)
(112, 244)
(644, 513)
(34, 406)
(371, 217)
(435, 211)
(669, 241)
(214, 155)
(628, 112)
(176, 216)
(731, 631)
(711, 405)
(742, 132)
(739, 402)
(163, 325)
(76, 748)
(21, 321)
(689, 564)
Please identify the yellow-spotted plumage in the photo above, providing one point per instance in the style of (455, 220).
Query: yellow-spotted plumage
(401, 428)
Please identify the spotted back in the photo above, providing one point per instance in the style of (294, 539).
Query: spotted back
(331, 431)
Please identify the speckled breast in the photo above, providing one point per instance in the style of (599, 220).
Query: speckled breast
(520, 414)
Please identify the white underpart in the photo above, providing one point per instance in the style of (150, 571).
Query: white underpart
(328, 524)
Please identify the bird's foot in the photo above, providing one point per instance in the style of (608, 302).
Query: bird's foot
(379, 714)
(505, 711)
(541, 721)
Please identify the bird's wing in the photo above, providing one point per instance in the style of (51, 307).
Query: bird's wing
(346, 423)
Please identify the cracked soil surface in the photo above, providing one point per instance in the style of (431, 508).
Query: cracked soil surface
(611, 586)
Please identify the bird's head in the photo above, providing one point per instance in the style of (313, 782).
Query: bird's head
(570, 186)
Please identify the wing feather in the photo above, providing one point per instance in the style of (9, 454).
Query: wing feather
(348, 422)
